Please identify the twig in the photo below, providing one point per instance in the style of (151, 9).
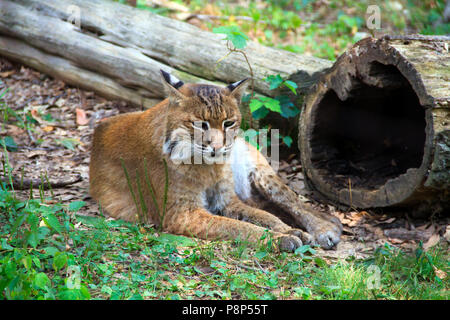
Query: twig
(30, 135)
(25, 184)
(233, 49)
(37, 148)
(262, 269)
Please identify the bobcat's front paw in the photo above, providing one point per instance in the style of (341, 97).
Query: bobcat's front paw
(303, 235)
(326, 233)
(288, 243)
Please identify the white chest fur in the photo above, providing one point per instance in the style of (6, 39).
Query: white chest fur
(241, 165)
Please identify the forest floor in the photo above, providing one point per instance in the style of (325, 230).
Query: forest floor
(47, 128)
(58, 145)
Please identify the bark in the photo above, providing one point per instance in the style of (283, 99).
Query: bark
(63, 69)
(375, 130)
(130, 46)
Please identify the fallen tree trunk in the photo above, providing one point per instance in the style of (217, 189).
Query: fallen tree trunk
(68, 72)
(127, 66)
(130, 46)
(375, 130)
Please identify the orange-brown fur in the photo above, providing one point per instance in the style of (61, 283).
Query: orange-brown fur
(201, 201)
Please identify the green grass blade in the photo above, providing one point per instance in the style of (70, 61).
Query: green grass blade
(150, 187)
(129, 184)
(141, 198)
(166, 190)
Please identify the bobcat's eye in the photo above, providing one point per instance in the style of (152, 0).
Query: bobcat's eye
(228, 124)
(201, 125)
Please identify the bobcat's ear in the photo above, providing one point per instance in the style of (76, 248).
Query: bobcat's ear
(237, 89)
(171, 85)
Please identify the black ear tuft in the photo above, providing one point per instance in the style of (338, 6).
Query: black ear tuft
(170, 79)
(234, 85)
(237, 89)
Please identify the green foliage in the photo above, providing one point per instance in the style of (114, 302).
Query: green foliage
(76, 205)
(287, 141)
(34, 249)
(9, 143)
(234, 35)
(266, 103)
(284, 106)
(22, 119)
(46, 253)
(261, 107)
(69, 143)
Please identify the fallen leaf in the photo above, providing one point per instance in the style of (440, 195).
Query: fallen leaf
(35, 113)
(432, 241)
(6, 74)
(390, 220)
(396, 241)
(447, 233)
(13, 130)
(183, 15)
(60, 102)
(423, 227)
(48, 128)
(169, 5)
(440, 273)
(43, 224)
(82, 118)
(35, 153)
(354, 218)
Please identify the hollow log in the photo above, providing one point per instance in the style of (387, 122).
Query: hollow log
(375, 130)
(129, 46)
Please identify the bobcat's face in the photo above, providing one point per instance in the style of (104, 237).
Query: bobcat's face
(202, 121)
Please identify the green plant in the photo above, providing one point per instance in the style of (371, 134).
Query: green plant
(47, 253)
(141, 207)
(234, 35)
(260, 106)
(9, 143)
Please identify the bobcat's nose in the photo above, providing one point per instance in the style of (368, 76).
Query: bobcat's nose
(216, 143)
(215, 148)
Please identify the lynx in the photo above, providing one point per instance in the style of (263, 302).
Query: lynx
(223, 196)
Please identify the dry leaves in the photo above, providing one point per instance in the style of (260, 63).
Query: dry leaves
(6, 74)
(432, 241)
(82, 118)
(352, 219)
(447, 233)
(440, 273)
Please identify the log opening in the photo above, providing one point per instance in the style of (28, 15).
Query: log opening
(375, 129)
(376, 134)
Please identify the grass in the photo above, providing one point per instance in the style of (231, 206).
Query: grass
(47, 251)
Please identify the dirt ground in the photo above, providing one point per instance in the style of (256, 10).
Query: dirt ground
(58, 145)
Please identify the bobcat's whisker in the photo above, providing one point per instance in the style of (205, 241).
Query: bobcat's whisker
(200, 148)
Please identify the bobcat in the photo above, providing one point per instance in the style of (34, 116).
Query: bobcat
(214, 199)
